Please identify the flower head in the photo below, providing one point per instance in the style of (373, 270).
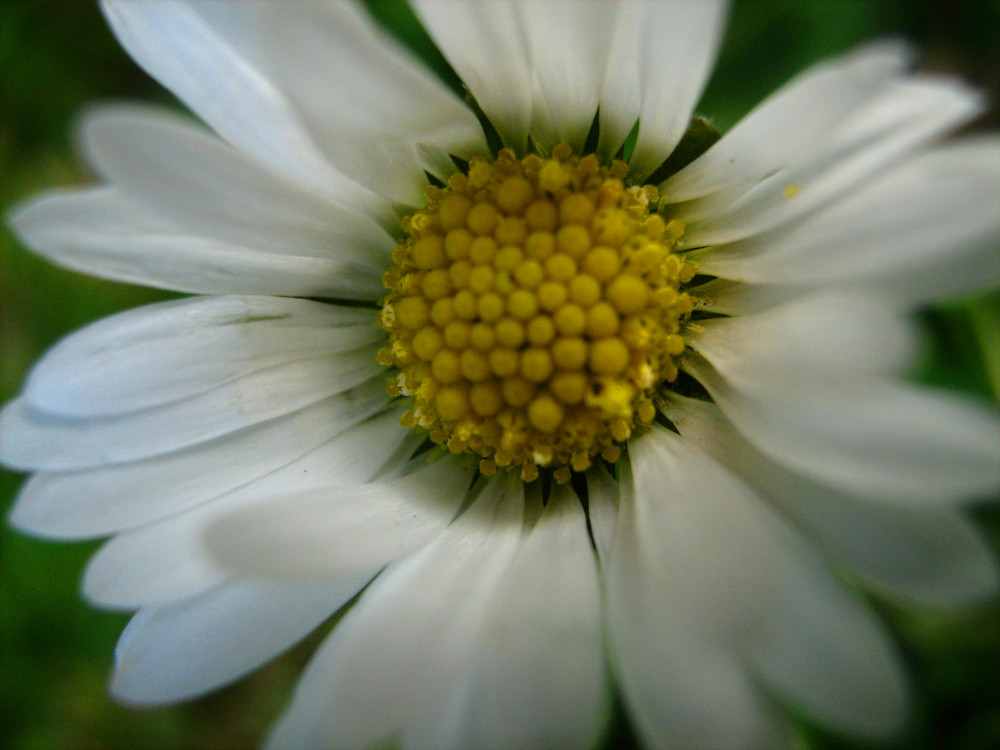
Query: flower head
(545, 410)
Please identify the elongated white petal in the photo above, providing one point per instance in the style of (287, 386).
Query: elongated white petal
(190, 178)
(183, 650)
(105, 233)
(332, 531)
(408, 644)
(170, 351)
(374, 110)
(660, 59)
(925, 230)
(865, 434)
(112, 498)
(826, 334)
(690, 583)
(827, 655)
(787, 127)
(485, 45)
(906, 116)
(165, 561)
(214, 57)
(539, 680)
(568, 43)
(790, 623)
(925, 555)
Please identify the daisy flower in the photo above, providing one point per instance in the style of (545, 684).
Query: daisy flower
(554, 396)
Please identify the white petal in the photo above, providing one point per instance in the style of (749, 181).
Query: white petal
(373, 109)
(827, 654)
(539, 679)
(788, 126)
(659, 63)
(166, 352)
(180, 651)
(198, 183)
(109, 499)
(212, 56)
(736, 587)
(925, 230)
(333, 531)
(568, 43)
(602, 508)
(690, 583)
(105, 233)
(166, 561)
(930, 556)
(906, 116)
(865, 434)
(826, 334)
(408, 644)
(486, 47)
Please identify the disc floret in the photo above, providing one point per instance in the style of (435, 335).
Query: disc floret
(534, 308)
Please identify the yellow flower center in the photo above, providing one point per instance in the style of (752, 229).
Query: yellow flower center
(533, 310)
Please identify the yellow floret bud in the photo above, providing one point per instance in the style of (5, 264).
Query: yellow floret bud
(628, 294)
(522, 304)
(486, 398)
(514, 194)
(511, 231)
(584, 290)
(428, 252)
(427, 343)
(452, 403)
(490, 307)
(608, 357)
(570, 320)
(541, 216)
(453, 211)
(412, 312)
(541, 330)
(546, 413)
(445, 367)
(510, 332)
(457, 243)
(536, 364)
(540, 245)
(482, 219)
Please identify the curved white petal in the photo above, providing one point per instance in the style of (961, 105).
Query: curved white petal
(787, 126)
(821, 333)
(183, 650)
(376, 113)
(484, 43)
(166, 352)
(106, 233)
(739, 592)
(660, 60)
(539, 679)
(112, 498)
(568, 43)
(339, 530)
(906, 116)
(865, 434)
(925, 230)
(409, 643)
(690, 582)
(929, 556)
(212, 56)
(165, 561)
(827, 654)
(190, 178)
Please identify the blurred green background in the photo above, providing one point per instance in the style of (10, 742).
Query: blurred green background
(55, 652)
